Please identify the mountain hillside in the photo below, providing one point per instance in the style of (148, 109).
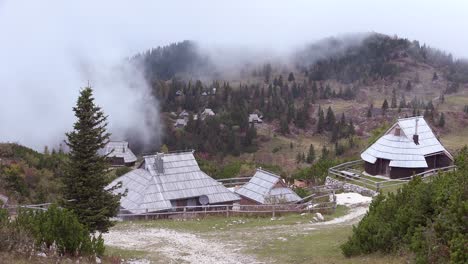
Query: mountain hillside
(331, 94)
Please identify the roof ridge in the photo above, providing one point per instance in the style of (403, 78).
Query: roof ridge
(412, 117)
(269, 172)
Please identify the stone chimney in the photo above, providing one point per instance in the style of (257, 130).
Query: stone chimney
(416, 136)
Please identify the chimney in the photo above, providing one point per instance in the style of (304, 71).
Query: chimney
(416, 136)
(159, 163)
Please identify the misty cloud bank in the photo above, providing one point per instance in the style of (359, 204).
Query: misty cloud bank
(51, 48)
(46, 59)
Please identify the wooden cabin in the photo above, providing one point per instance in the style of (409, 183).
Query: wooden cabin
(165, 181)
(407, 148)
(118, 153)
(266, 188)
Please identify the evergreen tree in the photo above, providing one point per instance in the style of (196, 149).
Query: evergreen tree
(84, 180)
(291, 77)
(330, 120)
(321, 121)
(325, 153)
(384, 107)
(408, 86)
(250, 135)
(311, 154)
(442, 120)
(284, 126)
(394, 100)
(369, 110)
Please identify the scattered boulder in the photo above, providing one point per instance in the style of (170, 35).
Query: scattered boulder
(319, 216)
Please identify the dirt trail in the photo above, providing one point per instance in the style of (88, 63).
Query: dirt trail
(179, 247)
(185, 247)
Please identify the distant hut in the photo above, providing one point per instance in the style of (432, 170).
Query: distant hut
(207, 112)
(3, 201)
(254, 118)
(119, 154)
(184, 114)
(164, 181)
(180, 123)
(407, 148)
(266, 188)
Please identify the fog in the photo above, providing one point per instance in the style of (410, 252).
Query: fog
(49, 49)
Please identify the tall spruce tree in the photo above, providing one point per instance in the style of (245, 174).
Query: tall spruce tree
(84, 180)
(311, 154)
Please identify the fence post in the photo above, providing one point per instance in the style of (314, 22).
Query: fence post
(185, 210)
(146, 214)
(227, 211)
(273, 211)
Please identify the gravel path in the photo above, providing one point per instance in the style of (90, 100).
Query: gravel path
(184, 247)
(180, 247)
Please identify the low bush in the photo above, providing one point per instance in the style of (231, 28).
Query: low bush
(429, 219)
(53, 230)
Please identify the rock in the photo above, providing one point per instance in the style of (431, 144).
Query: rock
(98, 260)
(315, 219)
(42, 254)
(319, 216)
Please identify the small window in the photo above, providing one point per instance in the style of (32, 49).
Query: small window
(397, 131)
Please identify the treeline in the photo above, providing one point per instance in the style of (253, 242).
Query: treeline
(426, 218)
(288, 102)
(215, 135)
(166, 62)
(374, 59)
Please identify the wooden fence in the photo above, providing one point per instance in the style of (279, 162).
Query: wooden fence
(348, 172)
(226, 210)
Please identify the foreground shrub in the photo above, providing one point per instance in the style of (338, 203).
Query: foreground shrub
(430, 219)
(54, 229)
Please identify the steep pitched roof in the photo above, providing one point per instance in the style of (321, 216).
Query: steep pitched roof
(263, 189)
(163, 178)
(119, 149)
(401, 149)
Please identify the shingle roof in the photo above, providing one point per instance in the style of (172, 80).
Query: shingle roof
(263, 189)
(119, 149)
(167, 177)
(254, 117)
(401, 150)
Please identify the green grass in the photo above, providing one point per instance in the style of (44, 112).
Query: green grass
(125, 253)
(215, 223)
(316, 246)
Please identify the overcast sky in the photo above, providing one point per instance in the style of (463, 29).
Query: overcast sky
(48, 49)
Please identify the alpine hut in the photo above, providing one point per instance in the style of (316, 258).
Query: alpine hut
(165, 181)
(118, 153)
(266, 188)
(407, 148)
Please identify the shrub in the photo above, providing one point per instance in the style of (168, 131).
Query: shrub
(55, 228)
(428, 218)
